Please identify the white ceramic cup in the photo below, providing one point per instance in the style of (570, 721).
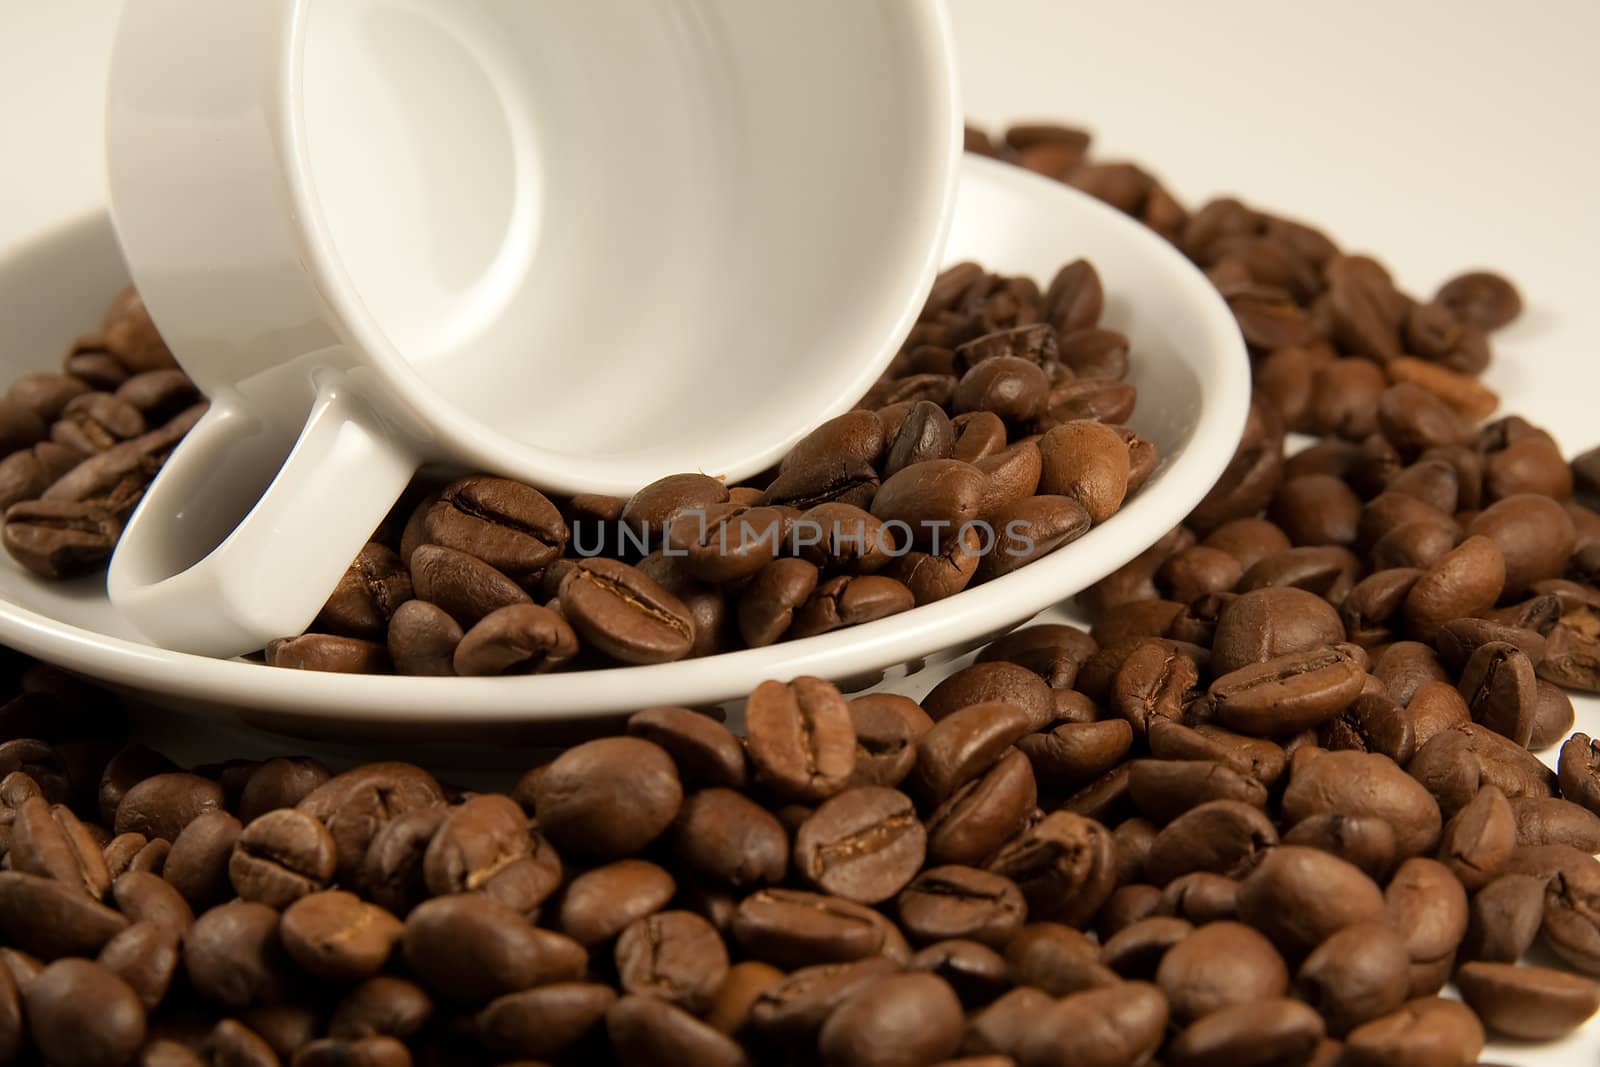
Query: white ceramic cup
(582, 243)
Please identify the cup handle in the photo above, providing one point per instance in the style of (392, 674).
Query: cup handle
(191, 585)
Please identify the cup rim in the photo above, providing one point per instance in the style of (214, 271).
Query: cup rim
(449, 433)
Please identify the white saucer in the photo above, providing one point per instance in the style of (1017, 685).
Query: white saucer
(1187, 360)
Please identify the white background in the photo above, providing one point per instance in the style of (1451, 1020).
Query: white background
(1435, 134)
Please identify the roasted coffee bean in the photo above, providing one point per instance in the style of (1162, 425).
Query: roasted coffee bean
(93, 422)
(145, 956)
(1252, 756)
(1299, 897)
(600, 903)
(60, 538)
(510, 526)
(675, 955)
(705, 752)
(990, 682)
(725, 836)
(1374, 723)
(515, 639)
(1165, 789)
(1357, 974)
(1459, 759)
(863, 844)
(1552, 821)
(932, 576)
(163, 805)
(767, 605)
(79, 1012)
(999, 1028)
(1498, 685)
(792, 928)
(145, 897)
(1427, 1029)
(1480, 298)
(1135, 951)
(372, 588)
(197, 866)
(849, 600)
(1221, 836)
(1278, 1030)
(48, 840)
(338, 936)
(463, 585)
(355, 806)
(470, 947)
(1087, 462)
(795, 1006)
(1532, 1003)
(608, 798)
(1065, 866)
(625, 614)
(983, 814)
(1572, 917)
(961, 902)
(978, 434)
(1196, 571)
(836, 461)
(391, 869)
(1028, 529)
(1220, 965)
(543, 1022)
(925, 433)
(741, 988)
(1479, 839)
(1329, 571)
(50, 919)
(280, 783)
(1075, 754)
(964, 744)
(1504, 918)
(1366, 784)
(25, 475)
(886, 735)
(1364, 840)
(1426, 903)
(327, 652)
(906, 1018)
(800, 738)
(1553, 716)
(485, 845)
(927, 501)
(976, 973)
(1155, 681)
(1288, 693)
(1012, 387)
(1120, 1024)
(1572, 654)
(232, 955)
(649, 512)
(232, 1042)
(422, 639)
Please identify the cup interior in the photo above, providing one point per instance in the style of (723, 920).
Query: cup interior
(630, 238)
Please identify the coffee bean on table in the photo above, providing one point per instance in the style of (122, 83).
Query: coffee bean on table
(989, 682)
(1572, 918)
(1504, 918)
(48, 840)
(800, 738)
(80, 1012)
(1532, 1003)
(949, 902)
(1299, 897)
(197, 866)
(608, 798)
(391, 871)
(792, 928)
(863, 844)
(232, 955)
(600, 903)
(546, 1021)
(1224, 837)
(1165, 789)
(793, 1007)
(145, 956)
(1357, 974)
(649, 1032)
(1289, 693)
(705, 752)
(1426, 903)
(469, 947)
(1220, 965)
(1361, 783)
(1479, 839)
(1064, 865)
(145, 897)
(983, 814)
(905, 1018)
(1120, 1024)
(1446, 1031)
(357, 804)
(724, 835)
(675, 955)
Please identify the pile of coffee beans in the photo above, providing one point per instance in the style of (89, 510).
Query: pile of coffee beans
(1253, 846)
(78, 448)
(995, 437)
(1261, 812)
